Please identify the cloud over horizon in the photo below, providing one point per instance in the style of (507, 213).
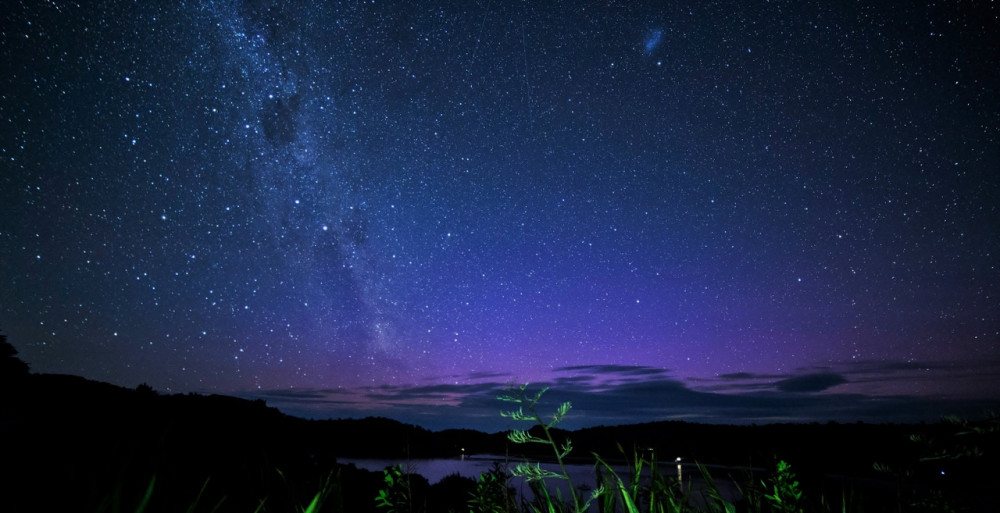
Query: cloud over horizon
(624, 394)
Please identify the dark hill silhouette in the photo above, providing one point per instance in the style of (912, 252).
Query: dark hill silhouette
(70, 442)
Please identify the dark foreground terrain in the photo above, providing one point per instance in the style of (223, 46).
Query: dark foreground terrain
(70, 444)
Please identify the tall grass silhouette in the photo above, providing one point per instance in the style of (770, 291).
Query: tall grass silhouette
(634, 482)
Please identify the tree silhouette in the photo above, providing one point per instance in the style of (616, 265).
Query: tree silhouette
(11, 367)
(145, 390)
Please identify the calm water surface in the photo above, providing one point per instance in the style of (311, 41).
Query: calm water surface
(435, 469)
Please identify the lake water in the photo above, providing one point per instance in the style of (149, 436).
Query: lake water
(435, 469)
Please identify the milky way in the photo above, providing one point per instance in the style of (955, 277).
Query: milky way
(255, 197)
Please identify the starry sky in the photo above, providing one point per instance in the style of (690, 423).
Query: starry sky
(716, 211)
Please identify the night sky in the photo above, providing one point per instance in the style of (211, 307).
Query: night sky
(718, 211)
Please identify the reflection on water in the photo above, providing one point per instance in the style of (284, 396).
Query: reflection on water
(434, 469)
(583, 476)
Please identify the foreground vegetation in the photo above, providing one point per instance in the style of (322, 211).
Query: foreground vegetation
(643, 487)
(646, 489)
(72, 444)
